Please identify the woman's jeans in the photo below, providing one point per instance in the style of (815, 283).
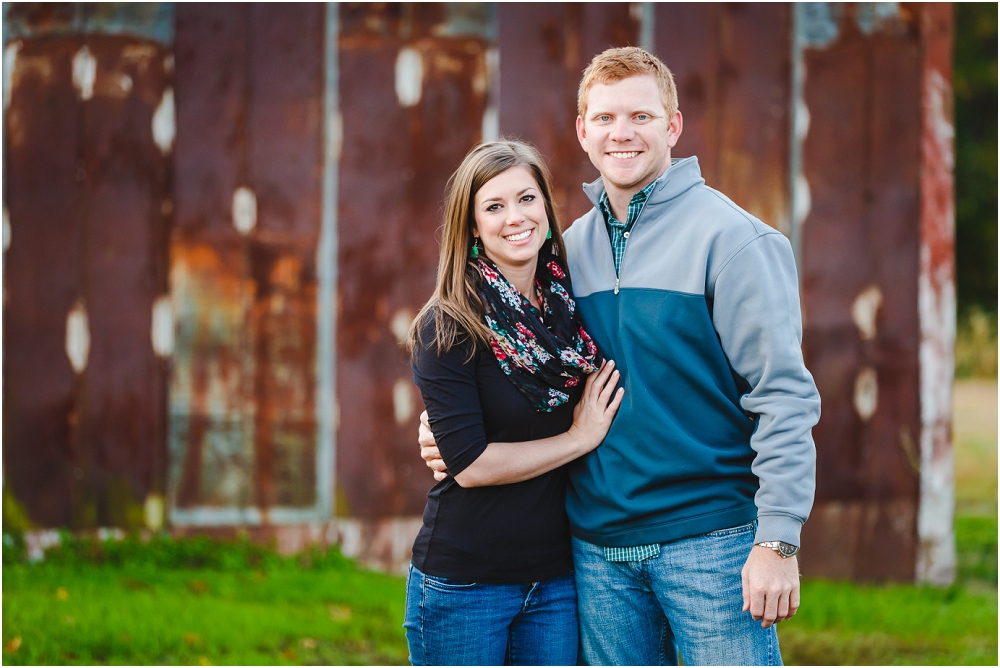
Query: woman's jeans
(449, 622)
(688, 600)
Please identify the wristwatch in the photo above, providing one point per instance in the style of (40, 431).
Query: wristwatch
(783, 549)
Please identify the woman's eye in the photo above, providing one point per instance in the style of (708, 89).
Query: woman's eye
(528, 198)
(493, 207)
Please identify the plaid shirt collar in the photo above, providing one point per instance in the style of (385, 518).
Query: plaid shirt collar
(634, 207)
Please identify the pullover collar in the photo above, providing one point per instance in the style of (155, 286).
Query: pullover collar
(682, 175)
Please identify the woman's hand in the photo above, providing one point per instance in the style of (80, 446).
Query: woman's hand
(593, 415)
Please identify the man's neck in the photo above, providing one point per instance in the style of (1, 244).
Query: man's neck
(620, 198)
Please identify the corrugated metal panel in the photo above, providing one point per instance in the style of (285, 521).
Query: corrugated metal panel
(85, 194)
(43, 267)
(414, 89)
(860, 255)
(249, 160)
(544, 48)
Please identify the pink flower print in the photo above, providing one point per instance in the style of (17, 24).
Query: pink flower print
(500, 355)
(573, 381)
(555, 269)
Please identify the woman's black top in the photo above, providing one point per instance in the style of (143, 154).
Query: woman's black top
(502, 533)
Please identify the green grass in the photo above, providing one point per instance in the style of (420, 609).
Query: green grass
(67, 611)
(196, 601)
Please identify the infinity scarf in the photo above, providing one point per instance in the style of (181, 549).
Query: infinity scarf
(544, 360)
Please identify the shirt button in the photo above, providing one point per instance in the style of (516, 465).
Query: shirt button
(626, 235)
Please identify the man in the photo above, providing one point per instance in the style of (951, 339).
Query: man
(686, 520)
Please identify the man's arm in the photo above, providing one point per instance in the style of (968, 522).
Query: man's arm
(757, 316)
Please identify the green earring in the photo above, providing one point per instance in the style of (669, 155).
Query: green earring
(474, 253)
(549, 235)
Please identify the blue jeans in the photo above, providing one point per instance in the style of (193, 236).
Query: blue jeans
(454, 623)
(687, 601)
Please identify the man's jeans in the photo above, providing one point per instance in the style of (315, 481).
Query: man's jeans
(687, 600)
(454, 623)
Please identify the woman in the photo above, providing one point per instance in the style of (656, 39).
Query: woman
(500, 358)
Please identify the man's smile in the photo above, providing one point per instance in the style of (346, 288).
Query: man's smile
(623, 155)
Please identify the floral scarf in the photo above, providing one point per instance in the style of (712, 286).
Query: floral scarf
(544, 354)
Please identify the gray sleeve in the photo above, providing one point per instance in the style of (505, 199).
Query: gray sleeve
(758, 319)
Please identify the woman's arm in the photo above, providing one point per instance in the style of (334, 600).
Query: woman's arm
(504, 463)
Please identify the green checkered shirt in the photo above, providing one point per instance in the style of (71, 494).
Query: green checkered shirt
(619, 231)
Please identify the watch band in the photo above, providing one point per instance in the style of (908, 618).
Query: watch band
(784, 550)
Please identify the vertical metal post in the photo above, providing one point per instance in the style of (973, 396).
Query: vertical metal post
(327, 414)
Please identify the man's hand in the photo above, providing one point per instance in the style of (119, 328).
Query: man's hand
(428, 449)
(770, 586)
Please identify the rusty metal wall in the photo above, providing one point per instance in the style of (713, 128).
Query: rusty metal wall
(414, 87)
(861, 245)
(86, 203)
(249, 158)
(269, 260)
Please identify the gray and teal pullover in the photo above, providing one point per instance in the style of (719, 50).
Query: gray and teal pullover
(703, 322)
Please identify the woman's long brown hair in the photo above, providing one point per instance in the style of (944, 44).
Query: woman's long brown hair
(455, 305)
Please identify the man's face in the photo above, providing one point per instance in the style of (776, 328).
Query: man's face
(627, 133)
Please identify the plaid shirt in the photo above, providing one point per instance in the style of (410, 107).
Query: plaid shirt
(619, 231)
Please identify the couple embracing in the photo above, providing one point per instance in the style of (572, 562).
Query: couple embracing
(623, 462)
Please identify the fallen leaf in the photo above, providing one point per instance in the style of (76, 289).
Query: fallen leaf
(13, 644)
(198, 586)
(339, 613)
(62, 594)
(289, 654)
(203, 661)
(309, 643)
(191, 638)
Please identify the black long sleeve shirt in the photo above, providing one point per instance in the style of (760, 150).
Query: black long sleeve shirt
(496, 534)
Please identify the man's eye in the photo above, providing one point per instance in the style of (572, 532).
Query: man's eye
(642, 117)
(604, 119)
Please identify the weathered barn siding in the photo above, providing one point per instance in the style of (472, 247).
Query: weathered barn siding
(226, 217)
(249, 159)
(86, 200)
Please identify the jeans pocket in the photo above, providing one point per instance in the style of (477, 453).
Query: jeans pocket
(447, 584)
(733, 531)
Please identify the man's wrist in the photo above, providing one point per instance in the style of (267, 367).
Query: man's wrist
(784, 550)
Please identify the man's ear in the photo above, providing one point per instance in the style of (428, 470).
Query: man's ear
(674, 129)
(581, 132)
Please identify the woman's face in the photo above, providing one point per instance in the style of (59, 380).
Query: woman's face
(510, 219)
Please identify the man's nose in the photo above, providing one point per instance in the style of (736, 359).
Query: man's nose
(621, 130)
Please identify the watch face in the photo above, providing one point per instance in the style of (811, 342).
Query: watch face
(787, 550)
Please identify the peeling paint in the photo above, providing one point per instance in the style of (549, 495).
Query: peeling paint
(125, 83)
(491, 115)
(409, 76)
(865, 309)
(162, 331)
(818, 23)
(6, 229)
(78, 337)
(9, 63)
(164, 122)
(802, 200)
(401, 322)
(866, 393)
(153, 509)
(873, 15)
(84, 72)
(402, 401)
(244, 210)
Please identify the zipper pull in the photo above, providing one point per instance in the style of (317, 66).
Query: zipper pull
(617, 280)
